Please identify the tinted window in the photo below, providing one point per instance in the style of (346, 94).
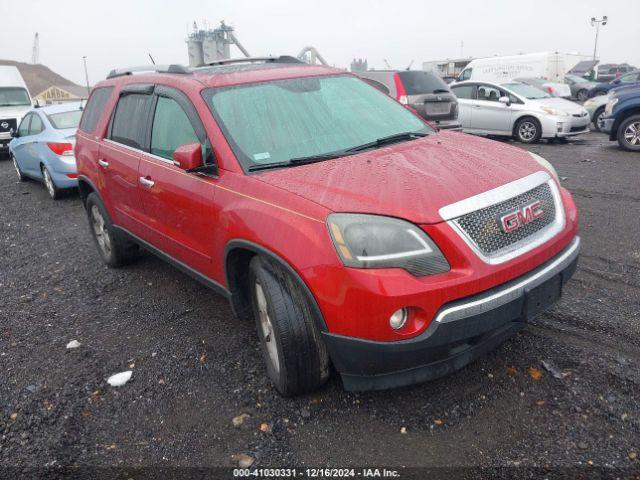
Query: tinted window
(629, 78)
(416, 83)
(527, 91)
(464, 91)
(65, 119)
(36, 125)
(279, 120)
(23, 130)
(171, 128)
(488, 94)
(94, 108)
(380, 86)
(129, 120)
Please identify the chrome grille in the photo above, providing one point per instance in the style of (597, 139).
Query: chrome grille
(7, 124)
(482, 227)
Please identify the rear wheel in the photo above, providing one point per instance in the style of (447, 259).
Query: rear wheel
(629, 133)
(54, 192)
(582, 95)
(114, 250)
(295, 356)
(596, 118)
(528, 130)
(21, 176)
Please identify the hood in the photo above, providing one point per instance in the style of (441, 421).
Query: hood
(14, 112)
(561, 104)
(410, 180)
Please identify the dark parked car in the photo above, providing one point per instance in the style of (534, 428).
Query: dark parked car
(425, 92)
(632, 78)
(610, 71)
(579, 86)
(621, 118)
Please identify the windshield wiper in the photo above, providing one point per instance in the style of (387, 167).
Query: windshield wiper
(440, 90)
(380, 142)
(299, 161)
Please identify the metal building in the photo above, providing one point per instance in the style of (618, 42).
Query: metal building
(209, 45)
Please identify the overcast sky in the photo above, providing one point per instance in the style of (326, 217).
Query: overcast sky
(115, 33)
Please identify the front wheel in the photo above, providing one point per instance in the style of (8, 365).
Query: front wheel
(582, 95)
(597, 117)
(21, 176)
(528, 130)
(295, 356)
(629, 134)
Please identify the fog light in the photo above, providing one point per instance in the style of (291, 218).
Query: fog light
(399, 318)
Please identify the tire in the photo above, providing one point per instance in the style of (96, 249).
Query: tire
(21, 176)
(114, 250)
(527, 130)
(293, 351)
(596, 117)
(54, 192)
(629, 133)
(582, 95)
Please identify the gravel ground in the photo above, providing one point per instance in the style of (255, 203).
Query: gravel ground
(195, 367)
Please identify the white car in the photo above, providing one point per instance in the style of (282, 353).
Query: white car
(517, 110)
(15, 102)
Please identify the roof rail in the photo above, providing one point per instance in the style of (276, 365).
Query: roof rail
(173, 68)
(278, 59)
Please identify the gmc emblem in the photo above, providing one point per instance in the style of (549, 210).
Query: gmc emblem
(512, 221)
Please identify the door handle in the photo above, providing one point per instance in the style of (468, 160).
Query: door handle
(103, 163)
(147, 182)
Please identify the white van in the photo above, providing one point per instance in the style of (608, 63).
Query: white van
(546, 65)
(15, 102)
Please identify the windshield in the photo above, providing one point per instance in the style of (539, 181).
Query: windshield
(416, 83)
(65, 119)
(12, 96)
(526, 91)
(278, 121)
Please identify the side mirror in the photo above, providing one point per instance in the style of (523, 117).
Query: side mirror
(188, 157)
(505, 100)
(13, 133)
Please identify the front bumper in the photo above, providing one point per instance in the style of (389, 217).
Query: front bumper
(461, 331)
(606, 124)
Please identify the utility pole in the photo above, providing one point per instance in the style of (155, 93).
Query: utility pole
(35, 51)
(597, 22)
(86, 75)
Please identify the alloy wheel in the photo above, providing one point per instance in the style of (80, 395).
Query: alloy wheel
(15, 165)
(267, 328)
(632, 134)
(48, 181)
(99, 229)
(527, 131)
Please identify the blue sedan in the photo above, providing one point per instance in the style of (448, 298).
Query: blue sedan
(42, 148)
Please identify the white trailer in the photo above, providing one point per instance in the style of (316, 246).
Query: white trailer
(547, 65)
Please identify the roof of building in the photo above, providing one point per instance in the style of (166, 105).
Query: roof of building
(40, 77)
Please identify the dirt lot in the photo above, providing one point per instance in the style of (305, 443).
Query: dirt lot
(195, 367)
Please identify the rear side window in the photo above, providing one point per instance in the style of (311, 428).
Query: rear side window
(130, 120)
(36, 125)
(171, 128)
(416, 83)
(94, 109)
(464, 91)
(65, 119)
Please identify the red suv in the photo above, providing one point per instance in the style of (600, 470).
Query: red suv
(353, 233)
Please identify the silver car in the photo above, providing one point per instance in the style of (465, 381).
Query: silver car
(517, 110)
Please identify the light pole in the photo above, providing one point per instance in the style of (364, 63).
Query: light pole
(597, 22)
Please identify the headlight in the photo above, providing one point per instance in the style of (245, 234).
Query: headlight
(610, 104)
(373, 241)
(545, 163)
(554, 111)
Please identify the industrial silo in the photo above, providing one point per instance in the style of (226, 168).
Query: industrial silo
(196, 54)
